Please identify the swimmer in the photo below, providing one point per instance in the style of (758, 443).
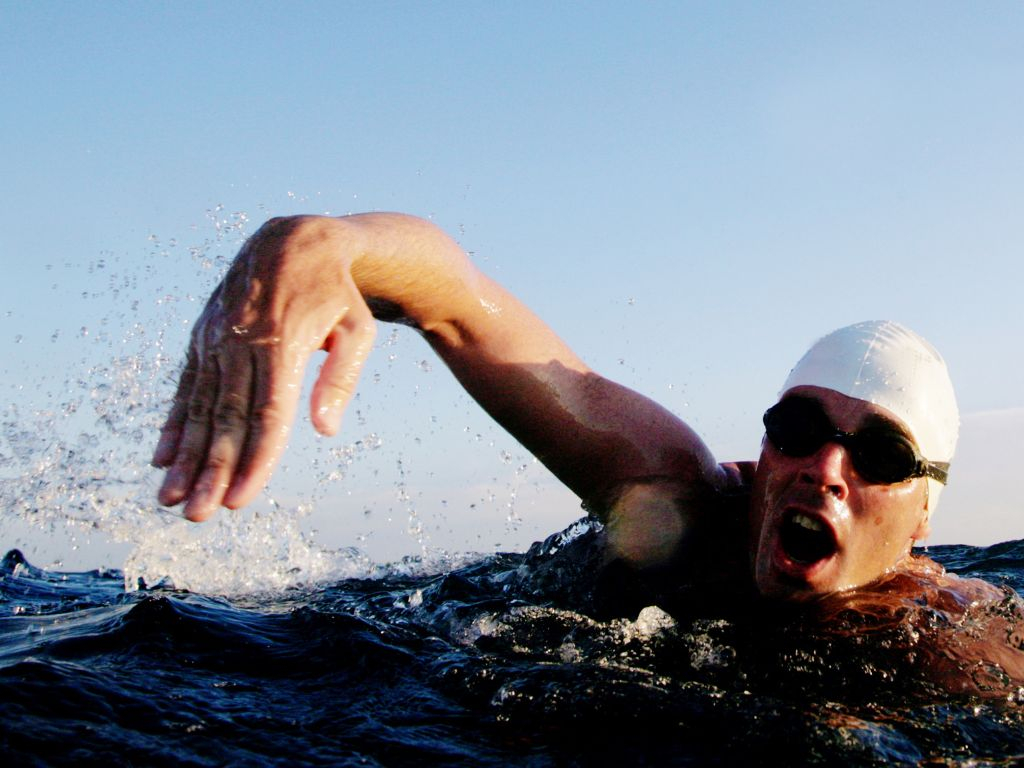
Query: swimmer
(855, 455)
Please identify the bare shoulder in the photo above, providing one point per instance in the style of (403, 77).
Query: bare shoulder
(654, 521)
(959, 635)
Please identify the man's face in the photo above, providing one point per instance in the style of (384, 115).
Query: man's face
(817, 526)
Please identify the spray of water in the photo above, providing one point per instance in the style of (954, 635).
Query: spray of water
(74, 452)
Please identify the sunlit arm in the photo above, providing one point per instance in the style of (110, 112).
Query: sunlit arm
(307, 283)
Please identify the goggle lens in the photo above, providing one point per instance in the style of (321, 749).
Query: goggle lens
(798, 427)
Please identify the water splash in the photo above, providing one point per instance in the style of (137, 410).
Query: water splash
(240, 552)
(74, 453)
(75, 444)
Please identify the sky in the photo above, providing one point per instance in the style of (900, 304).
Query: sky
(689, 193)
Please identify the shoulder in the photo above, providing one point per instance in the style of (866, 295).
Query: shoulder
(956, 634)
(653, 522)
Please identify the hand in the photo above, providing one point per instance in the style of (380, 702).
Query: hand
(288, 293)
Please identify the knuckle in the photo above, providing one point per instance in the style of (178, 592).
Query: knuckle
(273, 223)
(231, 412)
(266, 419)
(346, 381)
(274, 227)
(198, 411)
(267, 413)
(337, 393)
(216, 464)
(187, 459)
(170, 430)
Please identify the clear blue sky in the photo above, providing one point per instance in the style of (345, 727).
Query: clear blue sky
(690, 193)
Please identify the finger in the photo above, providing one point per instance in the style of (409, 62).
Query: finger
(194, 437)
(229, 422)
(277, 379)
(170, 432)
(350, 344)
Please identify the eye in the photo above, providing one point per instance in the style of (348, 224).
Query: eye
(886, 455)
(797, 427)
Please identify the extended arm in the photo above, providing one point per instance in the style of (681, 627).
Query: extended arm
(307, 283)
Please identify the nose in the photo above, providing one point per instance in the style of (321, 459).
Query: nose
(826, 470)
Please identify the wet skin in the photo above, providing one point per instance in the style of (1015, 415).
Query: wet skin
(866, 529)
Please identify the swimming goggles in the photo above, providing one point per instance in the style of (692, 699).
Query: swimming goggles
(798, 426)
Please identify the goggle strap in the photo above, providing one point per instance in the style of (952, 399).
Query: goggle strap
(937, 470)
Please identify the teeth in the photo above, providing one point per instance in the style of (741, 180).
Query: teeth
(808, 522)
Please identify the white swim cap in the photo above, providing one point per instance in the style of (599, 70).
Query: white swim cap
(883, 363)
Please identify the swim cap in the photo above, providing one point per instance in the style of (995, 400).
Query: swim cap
(884, 363)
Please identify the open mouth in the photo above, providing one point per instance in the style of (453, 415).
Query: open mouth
(807, 539)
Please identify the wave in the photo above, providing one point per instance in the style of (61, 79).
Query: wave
(481, 664)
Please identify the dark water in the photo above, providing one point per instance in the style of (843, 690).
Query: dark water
(486, 665)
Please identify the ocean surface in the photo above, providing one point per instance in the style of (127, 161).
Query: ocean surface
(483, 664)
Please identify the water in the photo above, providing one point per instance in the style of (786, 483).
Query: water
(247, 641)
(485, 664)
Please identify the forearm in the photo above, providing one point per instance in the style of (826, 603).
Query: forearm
(410, 271)
(591, 432)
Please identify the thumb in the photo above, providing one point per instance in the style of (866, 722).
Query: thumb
(348, 345)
